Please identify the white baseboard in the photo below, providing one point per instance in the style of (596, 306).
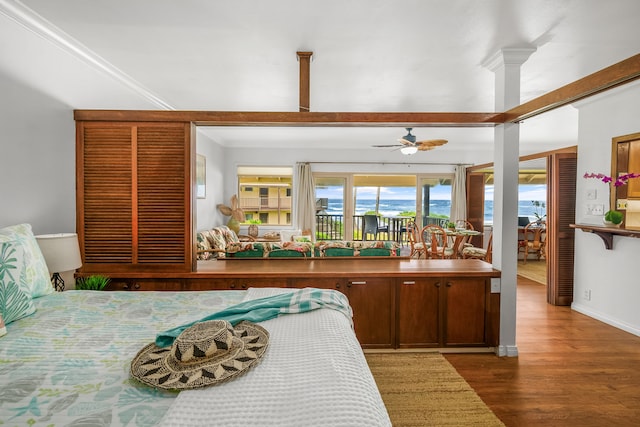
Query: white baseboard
(587, 311)
(508, 350)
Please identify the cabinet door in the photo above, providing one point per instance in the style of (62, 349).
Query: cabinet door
(465, 312)
(134, 196)
(373, 302)
(246, 283)
(418, 312)
(320, 283)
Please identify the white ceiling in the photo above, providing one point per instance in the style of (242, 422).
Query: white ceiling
(369, 56)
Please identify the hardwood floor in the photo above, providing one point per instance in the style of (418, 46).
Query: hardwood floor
(571, 370)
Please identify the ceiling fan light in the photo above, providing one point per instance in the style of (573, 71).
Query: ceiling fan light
(407, 151)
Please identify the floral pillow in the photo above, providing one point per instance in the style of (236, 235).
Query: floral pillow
(37, 274)
(15, 297)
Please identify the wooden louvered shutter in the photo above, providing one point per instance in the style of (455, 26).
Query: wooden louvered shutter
(475, 204)
(134, 193)
(560, 237)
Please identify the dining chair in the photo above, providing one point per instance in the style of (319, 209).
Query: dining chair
(485, 254)
(371, 226)
(534, 240)
(435, 238)
(415, 243)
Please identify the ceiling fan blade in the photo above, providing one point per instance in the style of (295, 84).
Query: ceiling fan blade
(387, 146)
(431, 144)
(406, 142)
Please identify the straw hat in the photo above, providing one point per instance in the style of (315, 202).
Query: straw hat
(204, 354)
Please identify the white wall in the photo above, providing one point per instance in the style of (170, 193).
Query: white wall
(207, 215)
(37, 160)
(610, 275)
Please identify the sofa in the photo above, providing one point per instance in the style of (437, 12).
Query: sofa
(222, 242)
(350, 248)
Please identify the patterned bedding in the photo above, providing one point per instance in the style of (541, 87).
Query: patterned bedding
(68, 364)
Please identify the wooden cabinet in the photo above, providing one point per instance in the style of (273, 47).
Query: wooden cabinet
(396, 303)
(372, 301)
(465, 307)
(419, 320)
(373, 304)
(443, 312)
(146, 285)
(134, 196)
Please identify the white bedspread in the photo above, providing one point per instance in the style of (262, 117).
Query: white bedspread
(313, 374)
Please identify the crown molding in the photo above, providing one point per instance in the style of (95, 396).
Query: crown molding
(29, 19)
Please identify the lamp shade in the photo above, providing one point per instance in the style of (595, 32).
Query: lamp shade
(61, 251)
(409, 150)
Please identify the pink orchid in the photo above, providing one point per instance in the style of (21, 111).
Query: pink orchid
(621, 180)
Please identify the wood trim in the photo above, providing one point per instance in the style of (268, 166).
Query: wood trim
(305, 80)
(615, 75)
(571, 149)
(310, 119)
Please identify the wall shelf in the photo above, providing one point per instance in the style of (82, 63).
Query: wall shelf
(606, 233)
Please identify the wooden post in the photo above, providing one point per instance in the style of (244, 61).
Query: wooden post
(305, 60)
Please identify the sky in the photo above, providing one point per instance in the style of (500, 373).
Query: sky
(441, 192)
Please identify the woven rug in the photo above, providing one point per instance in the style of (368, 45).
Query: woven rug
(423, 389)
(533, 270)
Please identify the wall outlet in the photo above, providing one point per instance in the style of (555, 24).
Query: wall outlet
(587, 294)
(592, 194)
(495, 285)
(595, 209)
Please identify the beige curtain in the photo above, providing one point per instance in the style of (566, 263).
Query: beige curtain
(305, 218)
(459, 194)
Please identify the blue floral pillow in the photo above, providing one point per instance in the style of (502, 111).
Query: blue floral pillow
(15, 297)
(37, 274)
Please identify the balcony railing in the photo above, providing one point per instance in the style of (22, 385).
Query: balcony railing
(331, 227)
(265, 203)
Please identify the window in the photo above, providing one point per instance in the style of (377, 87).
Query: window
(272, 202)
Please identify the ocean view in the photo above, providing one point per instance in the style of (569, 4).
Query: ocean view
(436, 207)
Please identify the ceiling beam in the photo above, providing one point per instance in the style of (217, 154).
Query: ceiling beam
(305, 80)
(300, 119)
(607, 78)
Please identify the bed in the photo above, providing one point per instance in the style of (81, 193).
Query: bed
(68, 364)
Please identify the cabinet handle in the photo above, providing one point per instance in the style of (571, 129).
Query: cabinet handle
(232, 286)
(437, 284)
(409, 282)
(125, 287)
(136, 286)
(449, 284)
(244, 286)
(337, 285)
(358, 283)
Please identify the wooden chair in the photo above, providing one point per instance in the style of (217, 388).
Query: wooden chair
(463, 223)
(417, 247)
(435, 240)
(472, 252)
(534, 240)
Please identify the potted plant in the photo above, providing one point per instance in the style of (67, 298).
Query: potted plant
(253, 227)
(613, 218)
(92, 283)
(451, 225)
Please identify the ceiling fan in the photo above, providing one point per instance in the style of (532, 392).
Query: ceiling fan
(408, 144)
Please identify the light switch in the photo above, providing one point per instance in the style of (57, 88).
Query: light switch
(592, 194)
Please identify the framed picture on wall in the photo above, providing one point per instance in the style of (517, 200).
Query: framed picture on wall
(201, 176)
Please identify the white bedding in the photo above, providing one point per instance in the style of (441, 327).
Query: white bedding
(313, 374)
